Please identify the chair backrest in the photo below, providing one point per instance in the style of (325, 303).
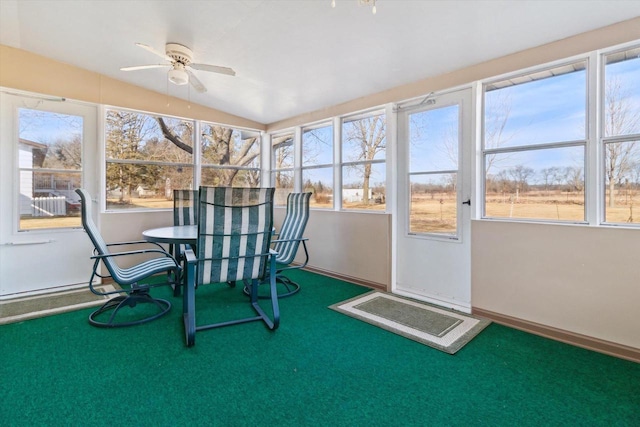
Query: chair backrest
(293, 225)
(94, 234)
(234, 233)
(185, 207)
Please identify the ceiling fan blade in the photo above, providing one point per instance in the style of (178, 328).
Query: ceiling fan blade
(144, 67)
(197, 84)
(213, 68)
(155, 52)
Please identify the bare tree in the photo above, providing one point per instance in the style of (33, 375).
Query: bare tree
(283, 159)
(125, 133)
(369, 137)
(65, 153)
(520, 175)
(550, 176)
(620, 119)
(224, 147)
(496, 117)
(574, 178)
(221, 147)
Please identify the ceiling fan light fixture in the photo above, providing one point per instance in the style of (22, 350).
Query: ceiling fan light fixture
(178, 76)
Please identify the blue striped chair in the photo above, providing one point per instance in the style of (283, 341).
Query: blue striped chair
(287, 244)
(288, 241)
(185, 212)
(185, 204)
(234, 238)
(133, 291)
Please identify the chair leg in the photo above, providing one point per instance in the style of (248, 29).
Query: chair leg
(290, 288)
(275, 321)
(176, 281)
(189, 307)
(131, 300)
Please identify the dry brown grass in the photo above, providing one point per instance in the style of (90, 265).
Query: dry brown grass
(140, 203)
(428, 213)
(49, 222)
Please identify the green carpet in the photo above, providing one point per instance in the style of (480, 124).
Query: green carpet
(437, 327)
(320, 368)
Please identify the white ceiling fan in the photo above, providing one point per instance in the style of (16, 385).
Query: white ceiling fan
(180, 58)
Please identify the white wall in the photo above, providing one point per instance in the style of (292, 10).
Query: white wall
(351, 245)
(580, 279)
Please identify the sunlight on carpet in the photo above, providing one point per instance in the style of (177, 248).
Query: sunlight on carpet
(32, 307)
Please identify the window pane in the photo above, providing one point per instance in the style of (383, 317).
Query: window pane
(622, 93)
(137, 136)
(220, 177)
(434, 140)
(363, 186)
(147, 157)
(527, 109)
(50, 169)
(536, 184)
(364, 139)
(282, 151)
(226, 146)
(319, 181)
(284, 185)
(622, 175)
(317, 146)
(145, 186)
(434, 204)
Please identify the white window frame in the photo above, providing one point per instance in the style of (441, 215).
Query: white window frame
(603, 140)
(331, 166)
(341, 164)
(586, 143)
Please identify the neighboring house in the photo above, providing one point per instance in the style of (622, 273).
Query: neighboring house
(354, 195)
(31, 155)
(144, 191)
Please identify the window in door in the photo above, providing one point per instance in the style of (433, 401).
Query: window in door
(433, 171)
(49, 169)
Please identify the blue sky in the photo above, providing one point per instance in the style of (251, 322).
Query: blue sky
(46, 127)
(543, 111)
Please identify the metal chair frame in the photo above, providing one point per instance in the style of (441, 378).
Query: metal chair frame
(223, 246)
(185, 212)
(293, 226)
(132, 292)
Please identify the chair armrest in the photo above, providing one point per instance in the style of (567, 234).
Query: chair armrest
(302, 239)
(136, 242)
(141, 251)
(190, 256)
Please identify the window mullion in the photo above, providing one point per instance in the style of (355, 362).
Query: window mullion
(337, 162)
(197, 154)
(594, 161)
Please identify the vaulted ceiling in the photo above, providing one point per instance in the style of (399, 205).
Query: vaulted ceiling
(293, 57)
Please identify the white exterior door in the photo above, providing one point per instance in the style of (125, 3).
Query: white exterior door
(48, 148)
(432, 233)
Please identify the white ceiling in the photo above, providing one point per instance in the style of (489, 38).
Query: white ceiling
(296, 56)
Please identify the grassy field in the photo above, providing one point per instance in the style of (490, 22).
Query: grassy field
(429, 213)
